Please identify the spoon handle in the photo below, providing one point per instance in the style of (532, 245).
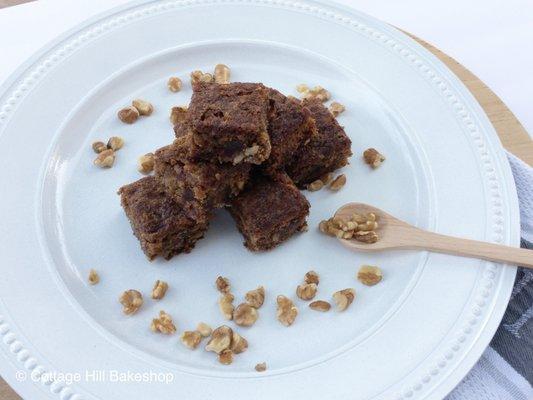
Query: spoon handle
(473, 248)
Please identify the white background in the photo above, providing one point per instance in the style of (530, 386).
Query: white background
(492, 38)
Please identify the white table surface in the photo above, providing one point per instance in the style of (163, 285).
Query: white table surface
(492, 38)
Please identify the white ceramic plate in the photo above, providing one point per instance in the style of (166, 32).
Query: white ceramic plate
(415, 335)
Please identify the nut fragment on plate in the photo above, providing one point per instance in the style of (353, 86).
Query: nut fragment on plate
(159, 290)
(225, 303)
(225, 357)
(318, 92)
(320, 305)
(369, 275)
(286, 310)
(256, 297)
(307, 291)
(315, 185)
(327, 178)
(238, 343)
(131, 300)
(204, 329)
(115, 143)
(144, 107)
(146, 163)
(94, 278)
(261, 367)
(336, 108)
(373, 157)
(105, 159)
(222, 73)
(338, 183)
(191, 339)
(199, 76)
(343, 298)
(178, 114)
(245, 315)
(163, 324)
(174, 84)
(312, 277)
(220, 339)
(128, 115)
(223, 285)
(98, 147)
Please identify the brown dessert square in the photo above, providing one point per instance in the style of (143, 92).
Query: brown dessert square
(269, 211)
(290, 125)
(328, 150)
(210, 183)
(163, 226)
(229, 122)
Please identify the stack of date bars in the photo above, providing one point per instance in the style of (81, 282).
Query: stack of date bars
(241, 146)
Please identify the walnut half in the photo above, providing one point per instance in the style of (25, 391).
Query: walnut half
(163, 324)
(245, 315)
(369, 275)
(286, 310)
(256, 297)
(343, 298)
(131, 301)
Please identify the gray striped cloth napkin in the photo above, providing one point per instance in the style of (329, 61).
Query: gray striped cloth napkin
(505, 370)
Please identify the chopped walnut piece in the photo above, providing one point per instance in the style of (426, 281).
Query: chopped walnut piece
(302, 88)
(163, 324)
(220, 339)
(128, 115)
(199, 76)
(223, 285)
(320, 305)
(178, 115)
(225, 303)
(343, 298)
(369, 275)
(144, 107)
(146, 163)
(327, 178)
(261, 367)
(245, 315)
(204, 329)
(131, 300)
(312, 277)
(366, 237)
(159, 290)
(174, 84)
(98, 147)
(338, 183)
(315, 185)
(115, 143)
(318, 93)
(93, 277)
(238, 343)
(105, 159)
(336, 108)
(225, 357)
(222, 73)
(191, 339)
(306, 291)
(373, 157)
(286, 310)
(256, 297)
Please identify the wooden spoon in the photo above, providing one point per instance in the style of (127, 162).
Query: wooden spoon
(396, 234)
